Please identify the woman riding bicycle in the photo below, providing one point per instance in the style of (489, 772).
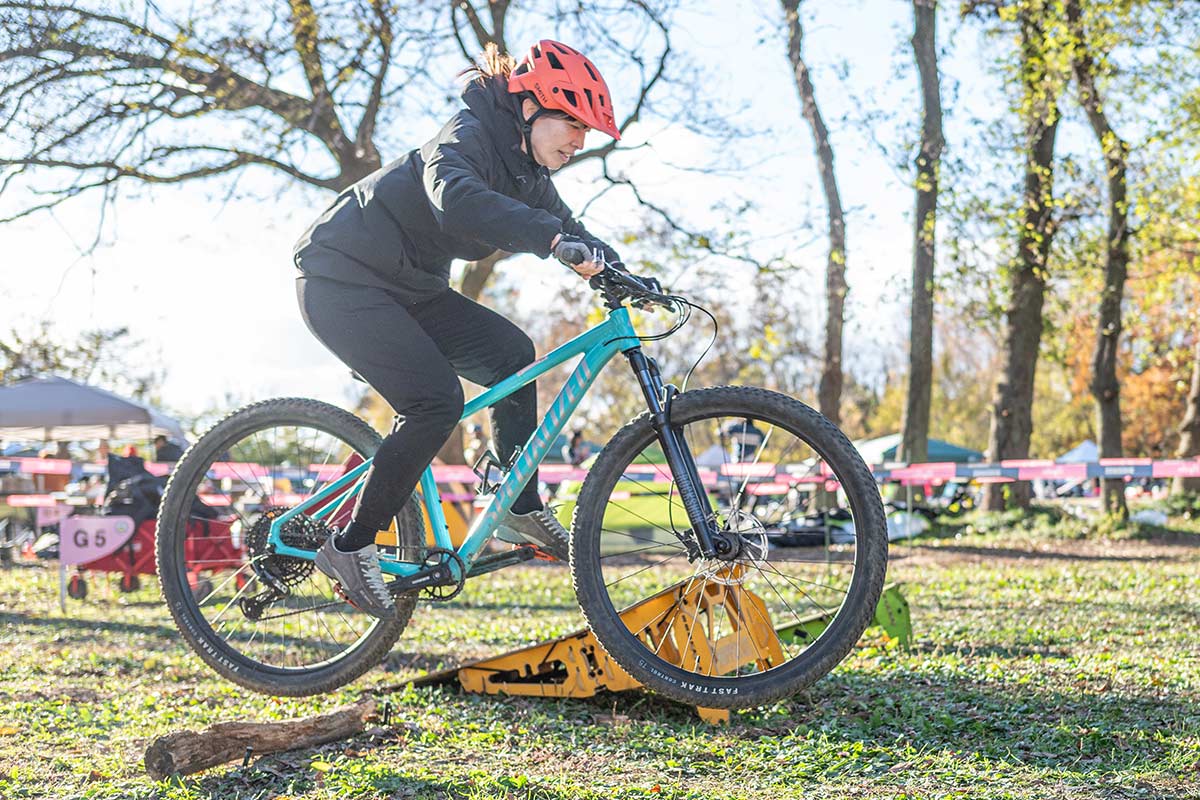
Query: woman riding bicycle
(374, 285)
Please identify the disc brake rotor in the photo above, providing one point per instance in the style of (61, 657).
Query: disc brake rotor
(752, 551)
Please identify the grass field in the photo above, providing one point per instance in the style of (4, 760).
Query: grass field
(1052, 660)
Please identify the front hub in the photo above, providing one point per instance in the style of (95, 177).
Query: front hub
(728, 545)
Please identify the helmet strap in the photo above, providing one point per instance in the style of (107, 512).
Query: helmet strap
(527, 125)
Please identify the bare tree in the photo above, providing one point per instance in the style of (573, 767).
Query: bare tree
(107, 99)
(94, 99)
(1105, 386)
(107, 357)
(914, 439)
(829, 394)
(318, 91)
(1012, 404)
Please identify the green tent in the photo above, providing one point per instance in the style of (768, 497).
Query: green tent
(883, 449)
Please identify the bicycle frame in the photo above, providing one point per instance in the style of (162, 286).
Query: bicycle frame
(597, 347)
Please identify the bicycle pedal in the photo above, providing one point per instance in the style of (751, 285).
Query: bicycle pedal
(340, 592)
(538, 553)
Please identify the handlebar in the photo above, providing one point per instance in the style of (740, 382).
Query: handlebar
(616, 285)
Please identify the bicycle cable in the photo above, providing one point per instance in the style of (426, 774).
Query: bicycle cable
(711, 342)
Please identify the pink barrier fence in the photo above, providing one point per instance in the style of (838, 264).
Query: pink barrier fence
(761, 478)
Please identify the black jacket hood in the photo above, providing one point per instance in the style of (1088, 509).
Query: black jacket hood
(468, 191)
(500, 111)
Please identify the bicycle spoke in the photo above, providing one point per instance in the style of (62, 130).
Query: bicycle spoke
(737, 500)
(266, 469)
(640, 571)
(654, 546)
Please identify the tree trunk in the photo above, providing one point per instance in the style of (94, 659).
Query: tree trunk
(1189, 440)
(1105, 386)
(829, 393)
(1012, 404)
(476, 275)
(914, 439)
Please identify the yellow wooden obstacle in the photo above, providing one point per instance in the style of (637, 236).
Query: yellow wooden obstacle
(575, 665)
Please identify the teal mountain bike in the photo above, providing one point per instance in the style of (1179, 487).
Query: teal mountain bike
(710, 512)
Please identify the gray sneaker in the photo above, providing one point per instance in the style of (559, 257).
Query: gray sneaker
(539, 528)
(358, 574)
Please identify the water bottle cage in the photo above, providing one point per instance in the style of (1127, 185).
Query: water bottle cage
(483, 467)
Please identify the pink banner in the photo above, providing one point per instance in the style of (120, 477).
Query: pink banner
(918, 473)
(1177, 469)
(748, 469)
(453, 473)
(767, 488)
(802, 479)
(239, 470)
(556, 473)
(42, 466)
(1054, 472)
(52, 515)
(1027, 462)
(31, 501)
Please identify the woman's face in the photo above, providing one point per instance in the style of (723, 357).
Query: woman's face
(555, 140)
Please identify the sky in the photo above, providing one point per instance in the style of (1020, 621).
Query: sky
(206, 282)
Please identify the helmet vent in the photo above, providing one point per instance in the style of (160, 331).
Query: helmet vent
(591, 101)
(571, 98)
(554, 62)
(590, 71)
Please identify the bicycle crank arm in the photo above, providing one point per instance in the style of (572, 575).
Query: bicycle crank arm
(494, 561)
(436, 575)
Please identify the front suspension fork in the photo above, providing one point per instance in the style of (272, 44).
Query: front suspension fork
(675, 447)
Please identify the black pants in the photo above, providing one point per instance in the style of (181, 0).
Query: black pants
(413, 355)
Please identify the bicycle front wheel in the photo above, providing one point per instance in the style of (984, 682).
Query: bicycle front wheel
(272, 623)
(776, 613)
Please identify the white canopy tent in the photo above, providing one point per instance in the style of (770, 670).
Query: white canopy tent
(1086, 451)
(57, 409)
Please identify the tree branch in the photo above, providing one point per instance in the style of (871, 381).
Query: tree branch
(117, 171)
(306, 44)
(364, 136)
(481, 33)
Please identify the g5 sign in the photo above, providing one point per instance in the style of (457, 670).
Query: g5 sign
(84, 539)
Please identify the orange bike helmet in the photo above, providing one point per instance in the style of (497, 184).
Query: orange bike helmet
(563, 79)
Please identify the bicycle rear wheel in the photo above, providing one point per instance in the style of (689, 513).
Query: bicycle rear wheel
(774, 616)
(271, 623)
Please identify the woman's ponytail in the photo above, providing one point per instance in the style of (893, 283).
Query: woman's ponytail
(490, 64)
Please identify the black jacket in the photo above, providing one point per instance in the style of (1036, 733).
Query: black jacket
(465, 193)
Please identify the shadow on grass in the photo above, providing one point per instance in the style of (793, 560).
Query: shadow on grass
(87, 627)
(1018, 553)
(85, 630)
(1097, 732)
(291, 773)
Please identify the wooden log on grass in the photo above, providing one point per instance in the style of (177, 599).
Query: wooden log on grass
(186, 752)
